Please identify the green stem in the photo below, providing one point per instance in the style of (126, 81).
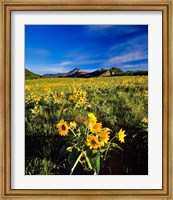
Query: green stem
(78, 159)
(109, 146)
(88, 161)
(72, 131)
(61, 110)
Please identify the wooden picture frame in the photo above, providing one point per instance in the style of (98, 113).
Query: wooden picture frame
(7, 6)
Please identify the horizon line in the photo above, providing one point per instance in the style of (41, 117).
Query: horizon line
(86, 70)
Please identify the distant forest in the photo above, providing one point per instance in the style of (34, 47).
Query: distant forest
(132, 73)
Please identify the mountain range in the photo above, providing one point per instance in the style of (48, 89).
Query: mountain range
(78, 73)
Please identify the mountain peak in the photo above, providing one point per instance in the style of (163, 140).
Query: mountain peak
(76, 69)
(76, 73)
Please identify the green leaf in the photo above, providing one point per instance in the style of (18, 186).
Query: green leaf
(94, 159)
(115, 145)
(82, 131)
(72, 157)
(102, 150)
(69, 149)
(95, 162)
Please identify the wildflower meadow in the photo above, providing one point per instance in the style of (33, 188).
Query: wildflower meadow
(86, 126)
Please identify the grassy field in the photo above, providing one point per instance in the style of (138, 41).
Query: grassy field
(86, 126)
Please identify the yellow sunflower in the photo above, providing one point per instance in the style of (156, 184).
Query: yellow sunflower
(84, 93)
(79, 92)
(55, 96)
(144, 120)
(62, 128)
(62, 94)
(121, 135)
(104, 136)
(92, 142)
(96, 128)
(92, 118)
(87, 123)
(73, 97)
(82, 100)
(72, 125)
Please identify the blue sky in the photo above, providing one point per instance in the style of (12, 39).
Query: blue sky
(61, 48)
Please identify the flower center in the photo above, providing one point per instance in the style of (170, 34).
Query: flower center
(95, 126)
(63, 127)
(93, 142)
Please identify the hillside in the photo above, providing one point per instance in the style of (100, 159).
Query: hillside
(73, 74)
(96, 73)
(77, 73)
(30, 75)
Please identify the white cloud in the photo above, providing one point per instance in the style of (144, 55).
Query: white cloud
(115, 30)
(62, 67)
(63, 64)
(50, 68)
(131, 56)
(139, 44)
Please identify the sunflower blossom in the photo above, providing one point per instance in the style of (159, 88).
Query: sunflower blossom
(104, 136)
(84, 93)
(121, 135)
(79, 92)
(92, 118)
(144, 120)
(87, 123)
(62, 128)
(96, 128)
(92, 142)
(72, 125)
(82, 100)
(73, 97)
(62, 94)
